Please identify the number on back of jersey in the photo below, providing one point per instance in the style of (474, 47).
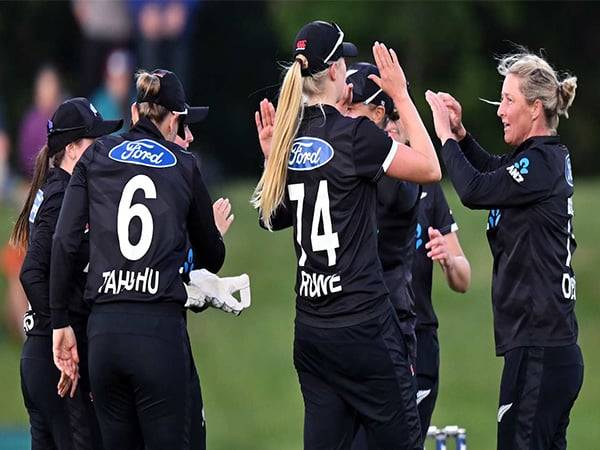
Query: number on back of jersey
(327, 241)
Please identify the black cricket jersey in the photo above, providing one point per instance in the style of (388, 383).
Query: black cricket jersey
(397, 209)
(142, 196)
(433, 212)
(35, 272)
(330, 200)
(530, 231)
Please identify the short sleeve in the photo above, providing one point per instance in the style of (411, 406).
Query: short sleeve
(442, 219)
(373, 150)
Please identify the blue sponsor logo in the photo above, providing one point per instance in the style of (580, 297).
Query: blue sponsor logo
(188, 264)
(309, 153)
(568, 171)
(37, 202)
(418, 235)
(493, 218)
(518, 169)
(144, 152)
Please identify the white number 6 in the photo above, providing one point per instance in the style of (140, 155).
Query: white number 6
(127, 212)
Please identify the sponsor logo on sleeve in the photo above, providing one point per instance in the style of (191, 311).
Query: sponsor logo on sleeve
(37, 202)
(519, 169)
(418, 236)
(494, 217)
(568, 171)
(144, 152)
(309, 153)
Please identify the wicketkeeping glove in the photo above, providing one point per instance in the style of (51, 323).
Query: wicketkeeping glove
(207, 289)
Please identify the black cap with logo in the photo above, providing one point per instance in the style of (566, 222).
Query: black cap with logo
(74, 119)
(171, 95)
(364, 90)
(321, 43)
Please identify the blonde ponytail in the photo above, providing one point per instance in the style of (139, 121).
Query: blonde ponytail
(270, 190)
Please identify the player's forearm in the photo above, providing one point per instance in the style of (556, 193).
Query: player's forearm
(417, 134)
(458, 274)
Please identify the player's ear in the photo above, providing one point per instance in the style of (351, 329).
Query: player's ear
(332, 71)
(379, 114)
(135, 115)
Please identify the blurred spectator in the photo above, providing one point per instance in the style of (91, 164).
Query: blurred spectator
(32, 131)
(164, 31)
(105, 25)
(4, 151)
(113, 100)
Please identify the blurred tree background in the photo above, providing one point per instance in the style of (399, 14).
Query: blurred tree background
(235, 49)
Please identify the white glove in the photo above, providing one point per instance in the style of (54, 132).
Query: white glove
(207, 288)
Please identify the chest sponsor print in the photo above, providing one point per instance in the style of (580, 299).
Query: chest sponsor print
(309, 153)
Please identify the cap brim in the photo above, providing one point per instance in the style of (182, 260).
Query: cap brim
(196, 114)
(104, 127)
(349, 50)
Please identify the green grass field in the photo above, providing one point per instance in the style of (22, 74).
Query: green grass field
(251, 393)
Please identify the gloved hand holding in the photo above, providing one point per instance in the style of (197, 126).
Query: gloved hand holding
(206, 288)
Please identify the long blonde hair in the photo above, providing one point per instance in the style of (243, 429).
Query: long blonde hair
(539, 81)
(295, 90)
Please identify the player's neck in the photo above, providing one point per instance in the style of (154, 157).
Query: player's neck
(328, 97)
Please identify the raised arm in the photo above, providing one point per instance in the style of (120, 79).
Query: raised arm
(417, 163)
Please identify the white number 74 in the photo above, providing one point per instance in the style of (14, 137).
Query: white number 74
(328, 241)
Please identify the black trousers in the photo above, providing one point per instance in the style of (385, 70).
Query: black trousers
(140, 367)
(428, 369)
(538, 389)
(56, 423)
(357, 375)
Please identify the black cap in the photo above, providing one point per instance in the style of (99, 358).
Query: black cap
(195, 114)
(321, 43)
(75, 119)
(364, 90)
(170, 94)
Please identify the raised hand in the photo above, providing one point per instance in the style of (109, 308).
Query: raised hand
(221, 210)
(265, 124)
(455, 115)
(441, 117)
(392, 79)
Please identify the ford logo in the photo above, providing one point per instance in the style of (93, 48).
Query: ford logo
(144, 152)
(309, 153)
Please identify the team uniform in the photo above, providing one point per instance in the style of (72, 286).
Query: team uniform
(397, 208)
(56, 423)
(349, 350)
(530, 233)
(433, 212)
(143, 197)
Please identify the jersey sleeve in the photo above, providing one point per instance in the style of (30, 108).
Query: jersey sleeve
(35, 273)
(442, 219)
(478, 157)
(209, 249)
(523, 179)
(373, 150)
(282, 218)
(67, 241)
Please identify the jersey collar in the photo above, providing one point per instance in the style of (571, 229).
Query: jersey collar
(537, 141)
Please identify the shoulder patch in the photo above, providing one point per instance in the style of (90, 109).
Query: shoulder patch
(144, 152)
(37, 202)
(309, 153)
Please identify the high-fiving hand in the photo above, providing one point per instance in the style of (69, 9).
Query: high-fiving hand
(391, 76)
(265, 124)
